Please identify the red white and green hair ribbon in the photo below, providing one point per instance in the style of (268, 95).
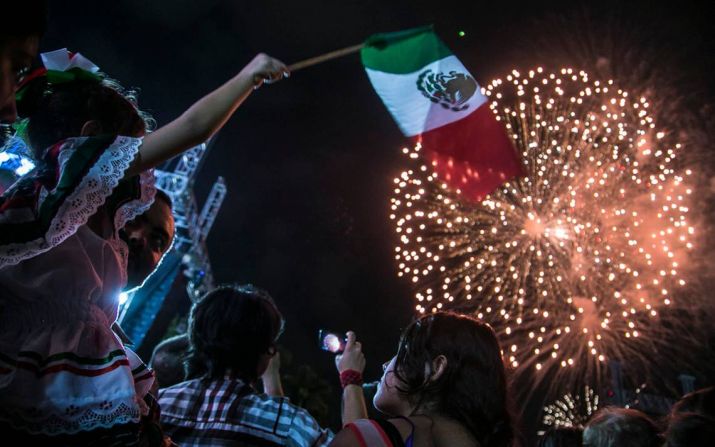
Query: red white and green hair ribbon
(59, 67)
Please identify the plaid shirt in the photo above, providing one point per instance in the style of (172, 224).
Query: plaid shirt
(227, 412)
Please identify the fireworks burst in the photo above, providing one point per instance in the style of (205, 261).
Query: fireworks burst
(573, 263)
(572, 411)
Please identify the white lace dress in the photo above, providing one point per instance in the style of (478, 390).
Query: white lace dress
(62, 369)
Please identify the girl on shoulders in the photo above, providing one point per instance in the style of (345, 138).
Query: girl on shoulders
(65, 377)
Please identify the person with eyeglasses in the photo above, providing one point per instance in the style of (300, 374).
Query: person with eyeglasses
(233, 331)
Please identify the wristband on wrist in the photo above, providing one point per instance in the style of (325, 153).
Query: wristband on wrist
(350, 377)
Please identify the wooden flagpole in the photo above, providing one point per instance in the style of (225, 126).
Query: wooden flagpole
(325, 57)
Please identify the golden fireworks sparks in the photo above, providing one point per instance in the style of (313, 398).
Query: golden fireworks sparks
(572, 411)
(572, 263)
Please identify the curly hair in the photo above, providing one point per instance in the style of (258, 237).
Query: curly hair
(230, 328)
(473, 388)
(59, 111)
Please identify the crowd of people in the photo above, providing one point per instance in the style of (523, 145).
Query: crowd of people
(691, 422)
(88, 222)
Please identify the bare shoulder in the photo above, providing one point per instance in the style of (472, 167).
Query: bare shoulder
(345, 438)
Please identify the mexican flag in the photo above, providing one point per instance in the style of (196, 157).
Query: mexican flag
(436, 102)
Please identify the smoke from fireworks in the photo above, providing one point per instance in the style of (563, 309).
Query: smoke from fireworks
(573, 263)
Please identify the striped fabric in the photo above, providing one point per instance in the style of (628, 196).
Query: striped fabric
(62, 369)
(369, 433)
(227, 412)
(64, 361)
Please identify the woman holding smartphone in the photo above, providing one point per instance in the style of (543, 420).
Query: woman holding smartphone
(446, 386)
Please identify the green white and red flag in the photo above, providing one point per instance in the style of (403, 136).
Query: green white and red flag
(437, 103)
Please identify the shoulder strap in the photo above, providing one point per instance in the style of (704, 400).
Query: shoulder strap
(394, 434)
(370, 433)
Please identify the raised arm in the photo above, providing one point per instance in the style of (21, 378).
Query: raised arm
(207, 115)
(353, 398)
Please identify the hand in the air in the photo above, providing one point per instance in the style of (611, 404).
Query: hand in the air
(264, 69)
(352, 357)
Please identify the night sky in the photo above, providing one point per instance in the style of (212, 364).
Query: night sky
(309, 161)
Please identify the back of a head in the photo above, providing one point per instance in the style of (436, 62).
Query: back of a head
(23, 19)
(690, 430)
(231, 328)
(615, 427)
(701, 401)
(167, 360)
(473, 388)
(60, 111)
(163, 196)
(561, 437)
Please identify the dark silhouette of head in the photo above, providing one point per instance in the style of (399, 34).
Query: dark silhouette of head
(233, 330)
(692, 420)
(561, 437)
(22, 23)
(690, 430)
(78, 108)
(615, 427)
(168, 358)
(701, 401)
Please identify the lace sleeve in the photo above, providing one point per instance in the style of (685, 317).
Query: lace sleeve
(88, 170)
(138, 205)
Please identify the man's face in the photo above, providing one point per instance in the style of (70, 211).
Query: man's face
(16, 55)
(148, 237)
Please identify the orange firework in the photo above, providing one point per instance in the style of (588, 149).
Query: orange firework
(573, 263)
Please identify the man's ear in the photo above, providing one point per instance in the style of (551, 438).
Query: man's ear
(91, 128)
(438, 367)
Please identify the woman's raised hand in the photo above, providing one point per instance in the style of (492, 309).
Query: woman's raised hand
(203, 119)
(352, 357)
(264, 69)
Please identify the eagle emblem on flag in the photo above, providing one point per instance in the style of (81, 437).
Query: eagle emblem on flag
(451, 90)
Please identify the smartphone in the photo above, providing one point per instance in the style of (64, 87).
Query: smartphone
(331, 341)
